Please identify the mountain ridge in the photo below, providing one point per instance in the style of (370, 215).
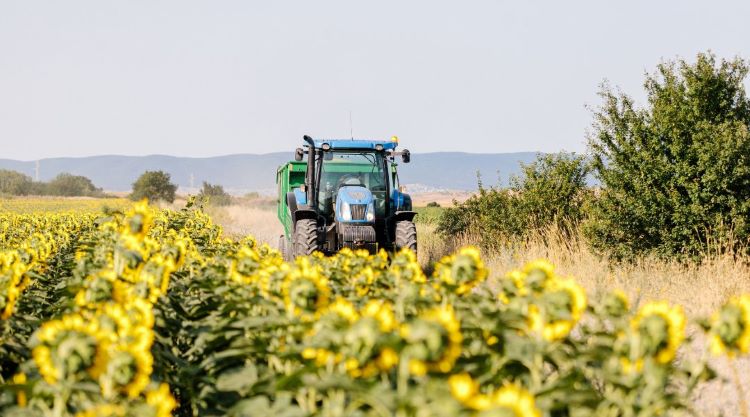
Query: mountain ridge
(256, 172)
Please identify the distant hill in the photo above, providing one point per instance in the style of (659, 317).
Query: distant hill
(241, 173)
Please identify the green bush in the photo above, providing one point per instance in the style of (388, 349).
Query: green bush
(675, 173)
(70, 185)
(551, 191)
(428, 215)
(215, 195)
(14, 183)
(154, 185)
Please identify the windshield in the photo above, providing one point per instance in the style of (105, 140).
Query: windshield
(362, 168)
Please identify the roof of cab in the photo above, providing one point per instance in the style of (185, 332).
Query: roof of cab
(355, 143)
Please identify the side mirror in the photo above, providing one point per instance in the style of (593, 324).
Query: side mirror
(406, 156)
(298, 154)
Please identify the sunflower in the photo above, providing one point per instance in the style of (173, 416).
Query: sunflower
(344, 309)
(103, 410)
(463, 387)
(161, 401)
(463, 271)
(305, 291)
(434, 340)
(382, 312)
(123, 368)
(730, 327)
(20, 379)
(661, 330)
(84, 343)
(244, 265)
(405, 265)
(513, 399)
(616, 303)
(138, 220)
(564, 307)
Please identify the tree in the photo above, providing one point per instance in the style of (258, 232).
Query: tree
(14, 183)
(154, 185)
(70, 185)
(676, 173)
(215, 194)
(552, 190)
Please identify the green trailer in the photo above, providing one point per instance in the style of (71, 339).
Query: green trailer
(289, 177)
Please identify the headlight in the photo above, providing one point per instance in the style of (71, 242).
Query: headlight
(346, 212)
(370, 216)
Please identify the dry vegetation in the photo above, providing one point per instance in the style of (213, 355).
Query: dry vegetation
(699, 287)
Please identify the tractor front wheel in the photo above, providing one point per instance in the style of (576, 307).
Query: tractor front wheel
(305, 237)
(406, 235)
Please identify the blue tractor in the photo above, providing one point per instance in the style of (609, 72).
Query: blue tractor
(340, 193)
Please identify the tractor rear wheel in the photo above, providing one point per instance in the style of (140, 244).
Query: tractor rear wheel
(305, 237)
(284, 248)
(406, 235)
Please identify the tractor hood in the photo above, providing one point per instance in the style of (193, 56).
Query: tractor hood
(355, 204)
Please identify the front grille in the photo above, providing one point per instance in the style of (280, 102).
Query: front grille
(358, 211)
(351, 233)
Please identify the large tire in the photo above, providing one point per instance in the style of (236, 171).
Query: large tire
(305, 237)
(284, 248)
(406, 235)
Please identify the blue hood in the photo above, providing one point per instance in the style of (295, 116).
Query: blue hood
(353, 195)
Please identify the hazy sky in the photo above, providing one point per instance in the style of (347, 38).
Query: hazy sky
(203, 78)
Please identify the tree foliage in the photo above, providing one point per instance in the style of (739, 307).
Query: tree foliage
(154, 185)
(676, 173)
(551, 191)
(14, 183)
(72, 185)
(69, 185)
(215, 194)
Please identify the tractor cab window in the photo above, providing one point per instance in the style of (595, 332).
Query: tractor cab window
(352, 168)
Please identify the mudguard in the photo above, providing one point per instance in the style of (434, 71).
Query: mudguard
(404, 215)
(304, 214)
(298, 209)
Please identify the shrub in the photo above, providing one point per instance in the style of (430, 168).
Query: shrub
(14, 183)
(71, 185)
(676, 173)
(154, 185)
(433, 204)
(550, 191)
(215, 195)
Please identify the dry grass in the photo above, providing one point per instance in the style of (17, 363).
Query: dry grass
(245, 217)
(243, 220)
(699, 287)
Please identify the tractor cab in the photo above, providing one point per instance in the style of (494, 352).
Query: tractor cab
(350, 197)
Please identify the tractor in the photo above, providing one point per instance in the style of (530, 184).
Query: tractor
(342, 193)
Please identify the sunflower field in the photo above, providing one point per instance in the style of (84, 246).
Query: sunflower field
(146, 312)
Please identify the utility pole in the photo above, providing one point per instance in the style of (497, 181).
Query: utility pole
(36, 171)
(192, 180)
